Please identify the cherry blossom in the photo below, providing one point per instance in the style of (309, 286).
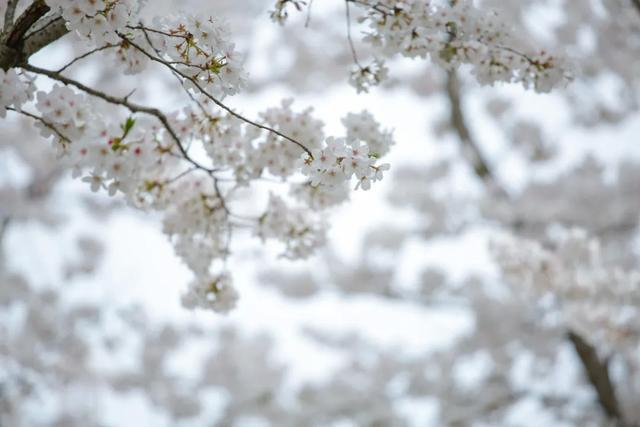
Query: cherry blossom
(14, 91)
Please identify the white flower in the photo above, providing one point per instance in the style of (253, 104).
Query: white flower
(379, 169)
(95, 181)
(14, 90)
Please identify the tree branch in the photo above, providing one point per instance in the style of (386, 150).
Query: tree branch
(29, 34)
(34, 12)
(349, 38)
(471, 150)
(597, 372)
(124, 102)
(18, 44)
(51, 31)
(9, 15)
(41, 120)
(81, 57)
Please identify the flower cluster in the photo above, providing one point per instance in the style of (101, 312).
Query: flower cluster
(14, 91)
(213, 292)
(294, 227)
(202, 53)
(364, 78)
(115, 155)
(280, 156)
(147, 162)
(196, 221)
(97, 20)
(247, 151)
(364, 127)
(106, 23)
(594, 298)
(132, 60)
(320, 197)
(452, 35)
(338, 161)
(199, 48)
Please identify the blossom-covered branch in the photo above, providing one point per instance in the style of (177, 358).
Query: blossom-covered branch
(147, 154)
(450, 34)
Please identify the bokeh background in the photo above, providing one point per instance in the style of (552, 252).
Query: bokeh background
(403, 319)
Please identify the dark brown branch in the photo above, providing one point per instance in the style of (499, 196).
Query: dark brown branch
(597, 372)
(471, 150)
(29, 34)
(636, 4)
(34, 12)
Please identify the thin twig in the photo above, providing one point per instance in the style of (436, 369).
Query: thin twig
(91, 52)
(216, 187)
(378, 7)
(180, 175)
(308, 20)
(41, 120)
(153, 30)
(349, 38)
